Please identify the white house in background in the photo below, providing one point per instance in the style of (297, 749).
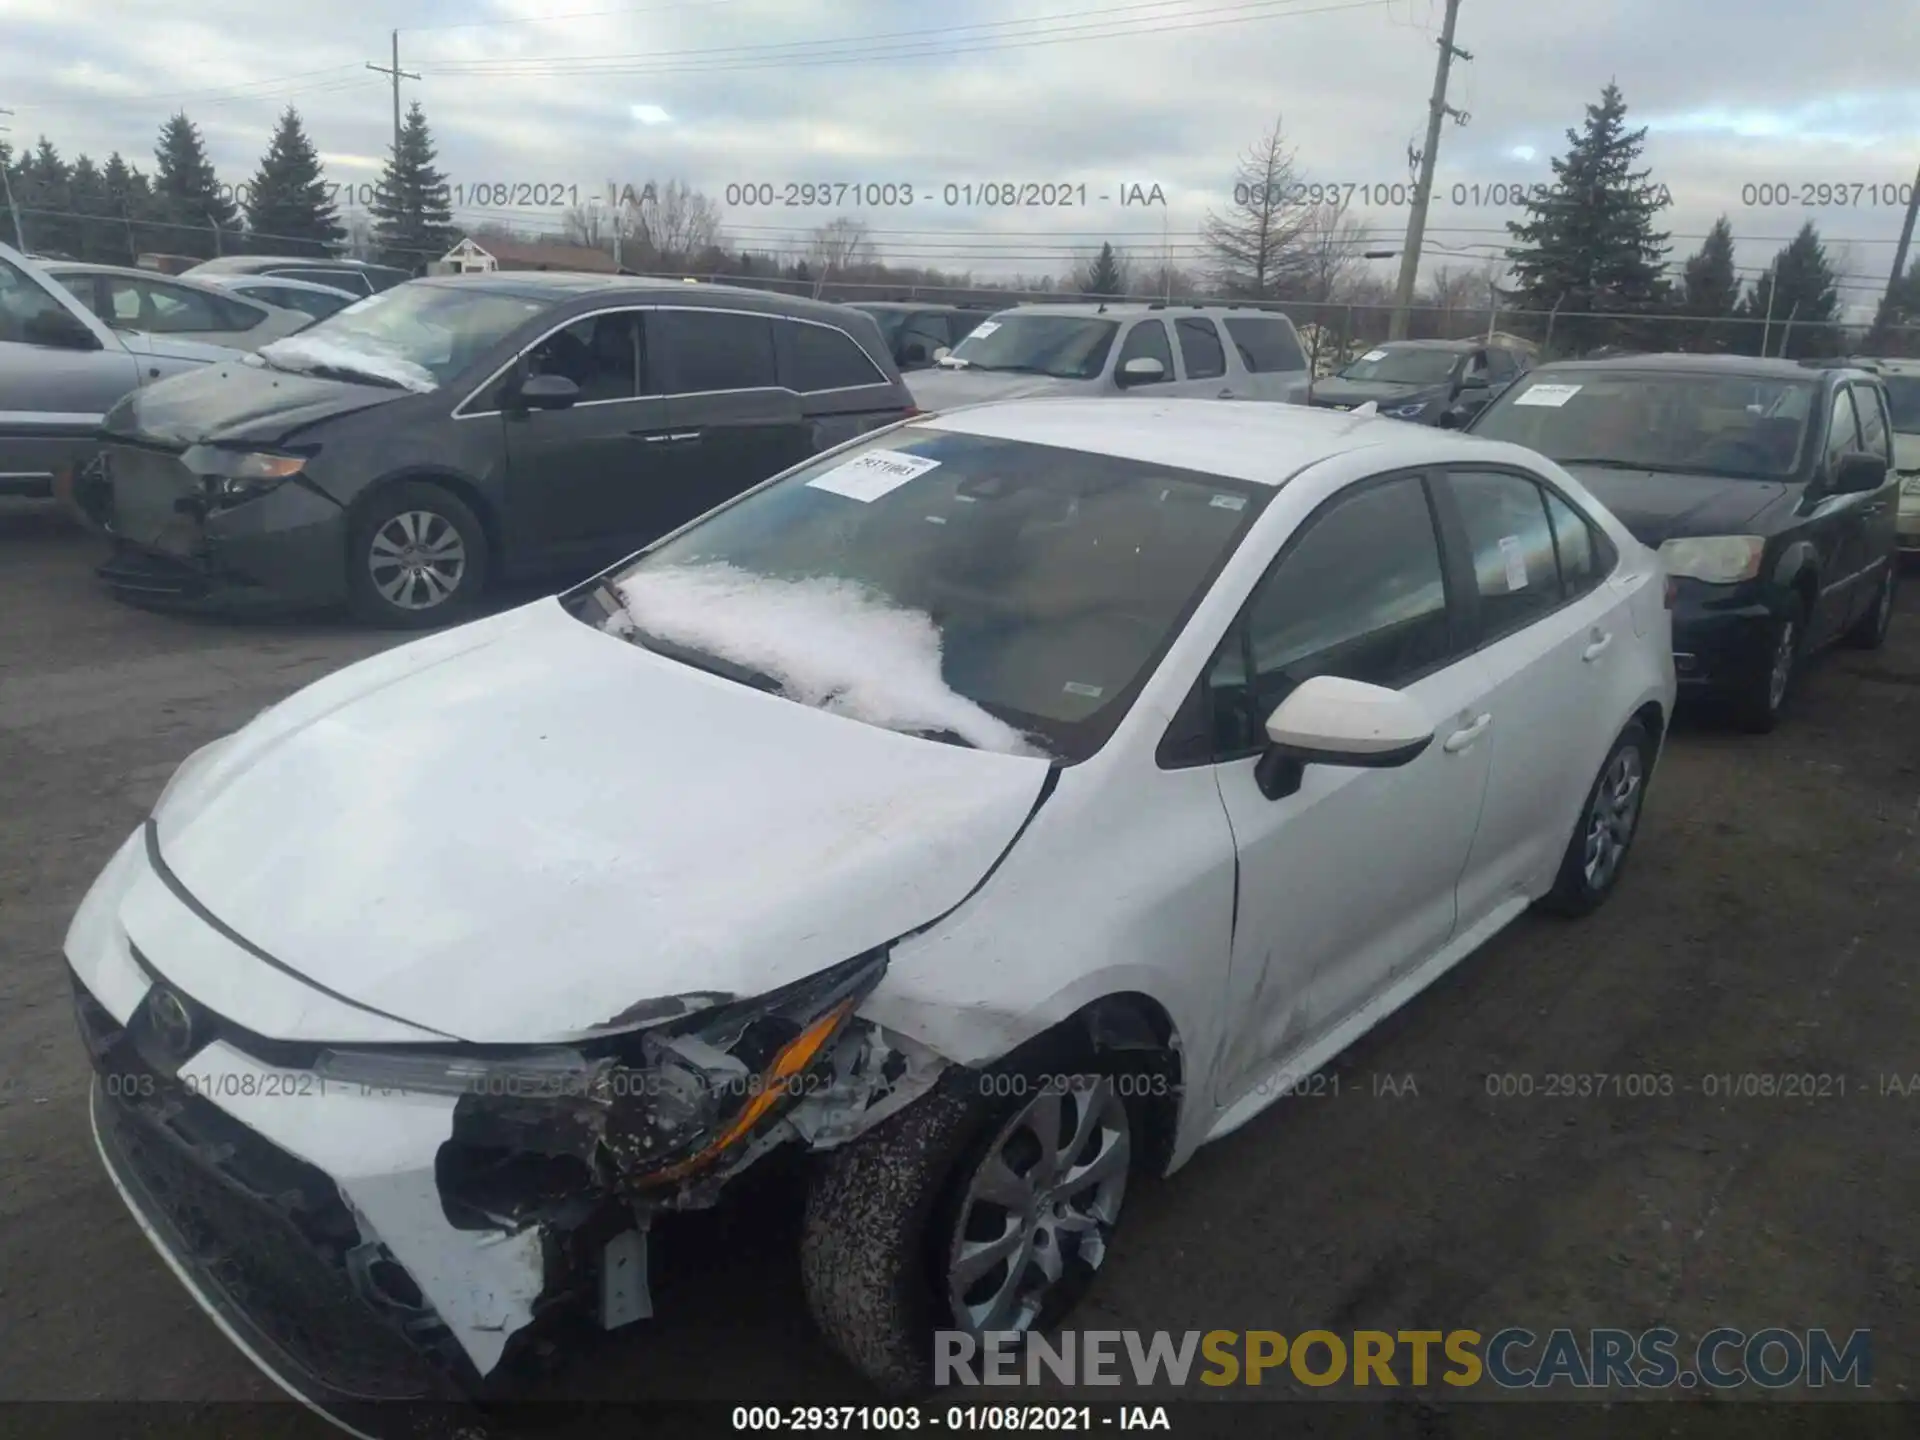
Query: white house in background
(470, 257)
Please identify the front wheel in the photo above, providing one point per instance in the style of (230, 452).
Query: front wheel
(973, 1211)
(1590, 868)
(416, 556)
(1760, 699)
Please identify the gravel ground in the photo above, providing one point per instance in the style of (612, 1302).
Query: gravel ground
(1766, 926)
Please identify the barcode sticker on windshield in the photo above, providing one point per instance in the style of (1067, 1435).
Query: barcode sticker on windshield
(872, 475)
(1092, 692)
(1515, 555)
(1229, 502)
(1554, 395)
(983, 329)
(1374, 355)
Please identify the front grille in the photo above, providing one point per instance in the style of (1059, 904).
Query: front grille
(264, 1234)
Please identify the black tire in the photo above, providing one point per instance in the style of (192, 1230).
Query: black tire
(1869, 632)
(882, 1210)
(449, 558)
(1576, 890)
(1758, 704)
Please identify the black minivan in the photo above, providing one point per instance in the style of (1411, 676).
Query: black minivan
(401, 453)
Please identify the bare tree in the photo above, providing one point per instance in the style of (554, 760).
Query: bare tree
(838, 246)
(1330, 246)
(1255, 246)
(588, 225)
(669, 223)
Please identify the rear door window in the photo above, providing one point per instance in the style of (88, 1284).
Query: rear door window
(702, 351)
(820, 357)
(1147, 340)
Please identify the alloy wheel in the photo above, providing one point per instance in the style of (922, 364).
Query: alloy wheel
(1781, 674)
(1047, 1193)
(417, 559)
(1611, 821)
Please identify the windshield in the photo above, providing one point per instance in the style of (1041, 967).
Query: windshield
(1903, 399)
(415, 336)
(1068, 346)
(1402, 367)
(984, 592)
(1698, 424)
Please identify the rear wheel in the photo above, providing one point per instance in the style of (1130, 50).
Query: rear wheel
(1869, 632)
(416, 556)
(1760, 699)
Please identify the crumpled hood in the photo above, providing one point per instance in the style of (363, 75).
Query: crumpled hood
(943, 388)
(172, 347)
(240, 401)
(516, 830)
(1658, 505)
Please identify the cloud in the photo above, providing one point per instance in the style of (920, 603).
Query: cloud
(968, 96)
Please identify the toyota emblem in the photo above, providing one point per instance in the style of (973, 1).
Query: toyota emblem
(172, 1023)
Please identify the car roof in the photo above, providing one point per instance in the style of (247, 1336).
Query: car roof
(1265, 444)
(1456, 346)
(1135, 309)
(1887, 365)
(246, 264)
(133, 272)
(559, 287)
(1745, 367)
(226, 280)
(891, 305)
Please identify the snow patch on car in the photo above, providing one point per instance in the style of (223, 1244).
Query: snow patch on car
(318, 350)
(830, 642)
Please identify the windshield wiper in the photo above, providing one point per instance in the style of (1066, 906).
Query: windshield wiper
(1602, 463)
(945, 737)
(700, 660)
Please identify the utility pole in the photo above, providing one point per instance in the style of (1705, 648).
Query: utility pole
(398, 75)
(19, 235)
(1437, 111)
(1884, 319)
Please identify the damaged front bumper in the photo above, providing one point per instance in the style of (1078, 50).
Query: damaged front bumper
(364, 1243)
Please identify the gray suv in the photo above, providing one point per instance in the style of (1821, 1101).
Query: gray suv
(1217, 352)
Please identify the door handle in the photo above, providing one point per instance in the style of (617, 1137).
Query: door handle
(1226, 394)
(1598, 648)
(677, 437)
(1461, 739)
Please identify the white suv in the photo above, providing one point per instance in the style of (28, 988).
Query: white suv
(1902, 379)
(1209, 352)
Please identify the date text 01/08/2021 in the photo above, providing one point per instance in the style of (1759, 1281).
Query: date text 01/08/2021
(898, 1419)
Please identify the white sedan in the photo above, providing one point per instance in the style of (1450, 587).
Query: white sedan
(1001, 805)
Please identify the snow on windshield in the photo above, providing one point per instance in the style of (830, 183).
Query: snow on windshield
(830, 642)
(305, 349)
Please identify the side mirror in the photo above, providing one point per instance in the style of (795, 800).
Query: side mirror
(1859, 473)
(913, 353)
(1473, 382)
(547, 392)
(940, 352)
(1141, 370)
(1331, 721)
(59, 328)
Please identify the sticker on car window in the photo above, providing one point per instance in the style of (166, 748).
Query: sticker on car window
(1554, 395)
(1374, 355)
(1092, 692)
(1229, 502)
(1515, 555)
(983, 329)
(868, 477)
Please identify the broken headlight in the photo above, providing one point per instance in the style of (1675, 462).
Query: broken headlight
(657, 1104)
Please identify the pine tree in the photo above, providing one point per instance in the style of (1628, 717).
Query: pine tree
(412, 209)
(289, 211)
(44, 196)
(1710, 291)
(129, 199)
(1103, 278)
(101, 241)
(1799, 294)
(202, 219)
(1588, 245)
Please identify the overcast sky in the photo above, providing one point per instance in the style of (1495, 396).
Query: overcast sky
(579, 92)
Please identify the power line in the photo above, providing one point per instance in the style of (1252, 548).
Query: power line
(396, 74)
(714, 59)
